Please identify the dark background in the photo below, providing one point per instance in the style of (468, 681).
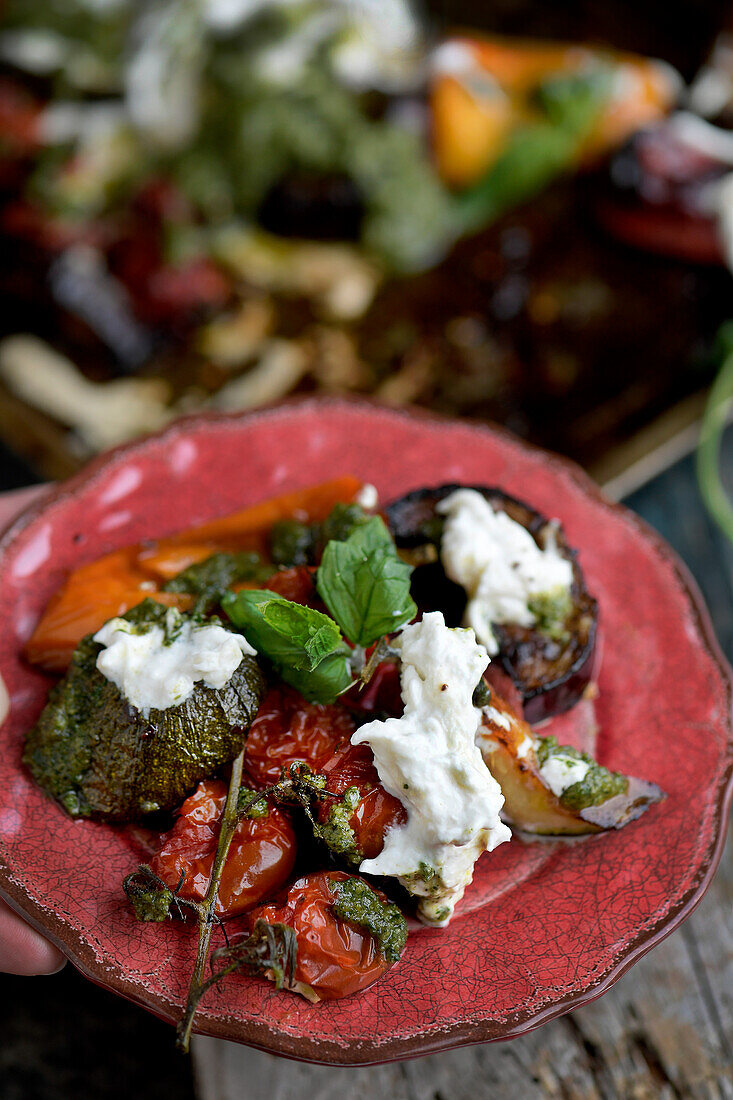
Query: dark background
(678, 32)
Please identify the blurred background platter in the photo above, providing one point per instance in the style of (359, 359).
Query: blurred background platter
(210, 250)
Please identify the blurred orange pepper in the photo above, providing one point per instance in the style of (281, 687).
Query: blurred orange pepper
(475, 107)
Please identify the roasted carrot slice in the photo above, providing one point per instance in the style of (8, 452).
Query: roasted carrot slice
(306, 505)
(245, 530)
(161, 561)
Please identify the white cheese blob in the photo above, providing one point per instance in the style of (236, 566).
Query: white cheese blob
(87, 123)
(429, 760)
(153, 673)
(560, 772)
(162, 76)
(498, 717)
(453, 58)
(498, 563)
(706, 139)
(367, 497)
(34, 49)
(712, 89)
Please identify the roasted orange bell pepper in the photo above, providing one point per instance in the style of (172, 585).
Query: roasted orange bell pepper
(113, 584)
(92, 594)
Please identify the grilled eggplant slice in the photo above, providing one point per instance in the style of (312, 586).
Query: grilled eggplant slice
(101, 758)
(603, 800)
(551, 671)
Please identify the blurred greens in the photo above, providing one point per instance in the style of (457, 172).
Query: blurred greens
(227, 100)
(715, 418)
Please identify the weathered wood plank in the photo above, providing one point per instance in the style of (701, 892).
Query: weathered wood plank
(659, 1021)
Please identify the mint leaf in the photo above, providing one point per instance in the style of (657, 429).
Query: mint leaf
(365, 585)
(305, 646)
(326, 682)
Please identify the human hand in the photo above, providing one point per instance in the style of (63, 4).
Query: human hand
(23, 950)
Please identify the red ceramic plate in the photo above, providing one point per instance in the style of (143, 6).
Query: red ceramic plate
(545, 926)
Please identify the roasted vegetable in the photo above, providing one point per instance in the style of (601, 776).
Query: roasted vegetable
(260, 857)
(97, 591)
(348, 934)
(551, 662)
(514, 93)
(600, 800)
(99, 757)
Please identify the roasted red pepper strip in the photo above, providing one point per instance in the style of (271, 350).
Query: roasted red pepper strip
(93, 594)
(96, 592)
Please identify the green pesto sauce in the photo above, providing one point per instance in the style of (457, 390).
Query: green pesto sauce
(598, 785)
(552, 609)
(342, 521)
(152, 903)
(291, 543)
(481, 694)
(169, 619)
(426, 875)
(336, 832)
(208, 580)
(249, 808)
(357, 902)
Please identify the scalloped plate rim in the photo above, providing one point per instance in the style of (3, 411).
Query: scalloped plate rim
(253, 1033)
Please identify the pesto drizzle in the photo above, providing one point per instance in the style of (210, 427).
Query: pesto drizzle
(358, 903)
(598, 785)
(552, 609)
(209, 579)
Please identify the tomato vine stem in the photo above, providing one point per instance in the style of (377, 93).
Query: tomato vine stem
(205, 909)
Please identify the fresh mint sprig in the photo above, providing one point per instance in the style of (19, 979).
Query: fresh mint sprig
(365, 585)
(305, 646)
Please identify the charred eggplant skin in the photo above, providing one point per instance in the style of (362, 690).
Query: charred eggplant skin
(551, 675)
(99, 757)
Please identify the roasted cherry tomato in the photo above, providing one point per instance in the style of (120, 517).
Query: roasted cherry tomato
(381, 695)
(288, 728)
(260, 858)
(335, 956)
(353, 766)
(296, 584)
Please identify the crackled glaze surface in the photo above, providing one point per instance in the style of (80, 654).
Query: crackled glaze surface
(545, 925)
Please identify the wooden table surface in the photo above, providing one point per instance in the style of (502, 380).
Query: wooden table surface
(664, 1030)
